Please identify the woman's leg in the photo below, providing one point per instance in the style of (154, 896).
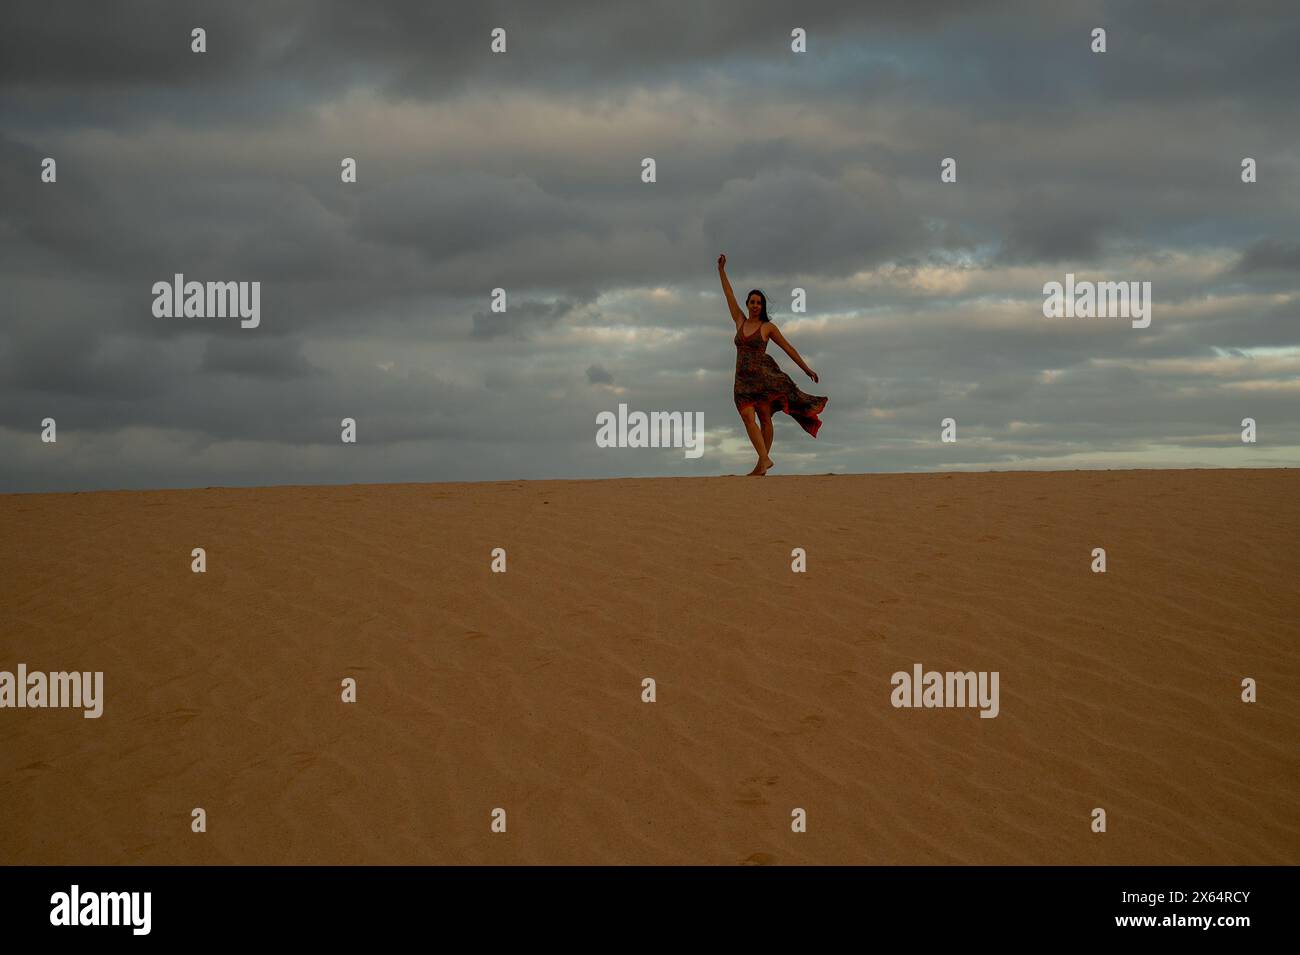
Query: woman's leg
(750, 418)
(765, 425)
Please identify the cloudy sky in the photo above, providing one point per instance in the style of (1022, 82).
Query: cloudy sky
(522, 170)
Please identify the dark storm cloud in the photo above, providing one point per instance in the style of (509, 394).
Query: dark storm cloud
(524, 320)
(1270, 255)
(446, 217)
(414, 47)
(1047, 227)
(59, 219)
(276, 359)
(795, 221)
(72, 46)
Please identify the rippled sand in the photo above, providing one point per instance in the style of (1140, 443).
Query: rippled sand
(523, 690)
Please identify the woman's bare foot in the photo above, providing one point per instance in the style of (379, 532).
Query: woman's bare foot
(761, 468)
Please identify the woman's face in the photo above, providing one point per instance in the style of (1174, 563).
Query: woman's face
(755, 305)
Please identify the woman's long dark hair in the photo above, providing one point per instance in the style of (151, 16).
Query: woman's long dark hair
(763, 317)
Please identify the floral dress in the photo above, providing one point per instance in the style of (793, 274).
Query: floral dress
(761, 383)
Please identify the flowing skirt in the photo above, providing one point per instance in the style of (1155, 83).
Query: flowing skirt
(760, 383)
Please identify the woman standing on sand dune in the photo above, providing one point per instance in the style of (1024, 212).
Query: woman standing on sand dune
(761, 386)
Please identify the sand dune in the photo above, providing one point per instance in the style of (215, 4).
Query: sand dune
(523, 690)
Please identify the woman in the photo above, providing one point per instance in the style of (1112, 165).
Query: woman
(761, 386)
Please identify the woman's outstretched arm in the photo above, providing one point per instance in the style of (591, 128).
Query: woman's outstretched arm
(777, 337)
(737, 315)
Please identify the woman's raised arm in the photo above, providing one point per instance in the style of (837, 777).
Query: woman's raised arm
(737, 315)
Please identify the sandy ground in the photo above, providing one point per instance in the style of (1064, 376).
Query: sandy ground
(522, 690)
